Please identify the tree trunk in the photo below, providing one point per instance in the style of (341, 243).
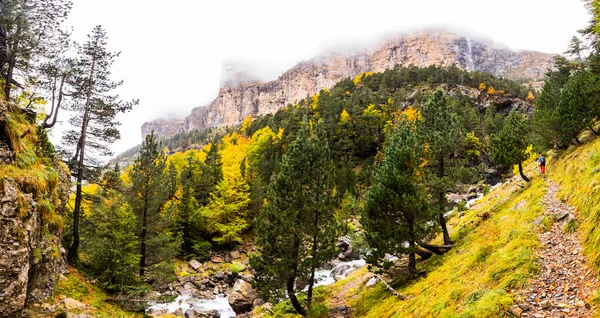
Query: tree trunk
(425, 255)
(54, 111)
(143, 241)
(436, 249)
(521, 172)
(594, 131)
(311, 282)
(577, 140)
(412, 262)
(12, 62)
(72, 255)
(292, 280)
(441, 202)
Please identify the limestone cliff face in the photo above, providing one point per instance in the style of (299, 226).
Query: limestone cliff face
(30, 253)
(237, 100)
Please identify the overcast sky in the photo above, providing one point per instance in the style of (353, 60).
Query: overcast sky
(173, 51)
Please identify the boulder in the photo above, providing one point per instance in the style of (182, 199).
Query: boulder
(208, 314)
(179, 312)
(220, 275)
(372, 282)
(216, 259)
(258, 302)
(71, 304)
(190, 313)
(195, 265)
(242, 297)
(234, 254)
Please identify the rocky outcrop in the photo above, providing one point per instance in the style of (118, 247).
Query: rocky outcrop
(242, 297)
(30, 253)
(238, 99)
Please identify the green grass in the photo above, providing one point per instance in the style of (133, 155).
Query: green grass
(77, 287)
(493, 256)
(576, 170)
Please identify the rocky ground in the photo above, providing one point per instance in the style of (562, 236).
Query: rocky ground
(565, 285)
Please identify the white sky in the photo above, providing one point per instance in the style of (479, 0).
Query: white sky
(173, 51)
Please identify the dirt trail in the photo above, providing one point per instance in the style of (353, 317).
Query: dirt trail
(565, 285)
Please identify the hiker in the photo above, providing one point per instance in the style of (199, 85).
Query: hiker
(542, 162)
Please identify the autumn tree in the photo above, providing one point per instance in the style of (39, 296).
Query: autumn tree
(94, 117)
(297, 228)
(396, 208)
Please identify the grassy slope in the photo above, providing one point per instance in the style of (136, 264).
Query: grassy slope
(576, 170)
(75, 286)
(492, 257)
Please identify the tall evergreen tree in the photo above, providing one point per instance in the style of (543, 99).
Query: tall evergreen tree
(297, 228)
(509, 146)
(442, 131)
(29, 34)
(94, 116)
(396, 209)
(147, 195)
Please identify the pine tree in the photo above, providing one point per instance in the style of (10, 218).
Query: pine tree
(297, 228)
(29, 34)
(509, 146)
(146, 196)
(396, 209)
(442, 131)
(95, 112)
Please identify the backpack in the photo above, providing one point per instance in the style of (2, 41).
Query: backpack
(543, 160)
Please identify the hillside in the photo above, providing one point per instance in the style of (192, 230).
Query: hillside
(524, 250)
(238, 99)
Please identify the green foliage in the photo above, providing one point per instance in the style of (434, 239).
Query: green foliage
(147, 196)
(508, 146)
(396, 208)
(297, 228)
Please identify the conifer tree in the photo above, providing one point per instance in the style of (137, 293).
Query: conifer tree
(297, 228)
(442, 132)
(147, 195)
(396, 209)
(29, 34)
(94, 116)
(509, 146)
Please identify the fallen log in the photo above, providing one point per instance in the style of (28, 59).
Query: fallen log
(425, 255)
(390, 289)
(436, 249)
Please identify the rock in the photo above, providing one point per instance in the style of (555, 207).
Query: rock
(342, 271)
(208, 314)
(30, 257)
(268, 307)
(195, 265)
(516, 310)
(220, 275)
(74, 315)
(247, 277)
(372, 282)
(179, 312)
(421, 49)
(234, 255)
(190, 313)
(216, 290)
(525, 307)
(242, 296)
(216, 259)
(257, 302)
(71, 304)
(454, 197)
(545, 304)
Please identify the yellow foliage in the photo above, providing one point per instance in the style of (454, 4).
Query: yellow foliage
(314, 102)
(362, 76)
(412, 114)
(372, 111)
(246, 124)
(530, 96)
(344, 116)
(482, 86)
(491, 90)
(347, 93)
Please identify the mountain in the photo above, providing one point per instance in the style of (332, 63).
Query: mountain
(239, 97)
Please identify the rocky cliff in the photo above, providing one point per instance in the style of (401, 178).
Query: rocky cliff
(238, 99)
(33, 191)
